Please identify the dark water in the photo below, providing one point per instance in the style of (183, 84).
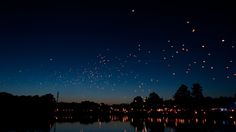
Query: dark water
(179, 125)
(121, 124)
(114, 126)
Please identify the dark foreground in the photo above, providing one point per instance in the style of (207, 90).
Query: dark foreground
(34, 113)
(117, 123)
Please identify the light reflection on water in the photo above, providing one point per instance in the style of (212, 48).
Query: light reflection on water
(118, 126)
(114, 126)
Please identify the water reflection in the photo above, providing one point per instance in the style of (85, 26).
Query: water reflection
(147, 124)
(120, 123)
(114, 126)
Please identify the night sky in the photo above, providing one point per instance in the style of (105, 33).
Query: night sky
(110, 52)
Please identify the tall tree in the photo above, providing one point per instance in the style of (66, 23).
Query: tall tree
(138, 99)
(154, 100)
(137, 103)
(182, 93)
(182, 96)
(197, 91)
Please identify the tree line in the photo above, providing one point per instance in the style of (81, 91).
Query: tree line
(22, 112)
(184, 98)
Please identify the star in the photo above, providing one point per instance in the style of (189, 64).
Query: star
(227, 67)
(187, 53)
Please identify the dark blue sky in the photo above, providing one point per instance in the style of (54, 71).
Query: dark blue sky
(112, 51)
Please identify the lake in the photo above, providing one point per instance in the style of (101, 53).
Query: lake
(121, 124)
(140, 125)
(114, 126)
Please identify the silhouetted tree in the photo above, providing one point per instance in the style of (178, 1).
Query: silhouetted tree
(88, 106)
(197, 97)
(154, 101)
(182, 93)
(182, 96)
(137, 103)
(49, 98)
(138, 99)
(197, 91)
(23, 111)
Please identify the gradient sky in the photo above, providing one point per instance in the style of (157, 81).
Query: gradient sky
(113, 51)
